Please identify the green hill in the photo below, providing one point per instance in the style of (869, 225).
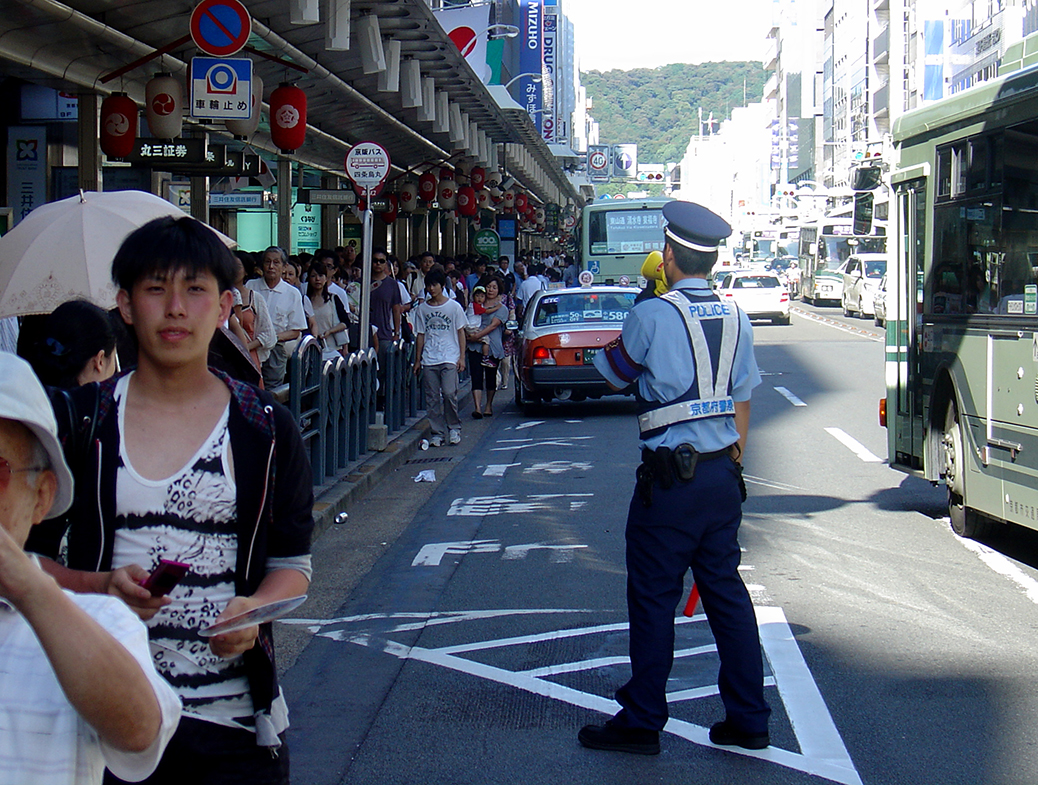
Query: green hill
(658, 108)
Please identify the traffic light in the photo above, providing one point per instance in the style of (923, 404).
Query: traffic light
(650, 177)
(786, 189)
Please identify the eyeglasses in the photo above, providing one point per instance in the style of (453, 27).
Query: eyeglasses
(379, 260)
(6, 471)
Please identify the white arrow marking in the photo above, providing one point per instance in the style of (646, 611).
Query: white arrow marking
(432, 554)
(498, 469)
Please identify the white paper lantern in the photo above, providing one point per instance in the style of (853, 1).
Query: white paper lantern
(246, 128)
(164, 106)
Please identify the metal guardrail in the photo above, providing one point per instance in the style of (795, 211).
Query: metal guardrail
(334, 401)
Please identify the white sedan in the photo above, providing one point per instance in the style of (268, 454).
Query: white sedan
(760, 294)
(861, 276)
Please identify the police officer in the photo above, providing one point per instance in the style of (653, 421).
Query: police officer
(692, 357)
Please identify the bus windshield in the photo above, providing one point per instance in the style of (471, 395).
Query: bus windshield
(835, 250)
(625, 231)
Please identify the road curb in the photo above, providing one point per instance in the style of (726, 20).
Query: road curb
(338, 498)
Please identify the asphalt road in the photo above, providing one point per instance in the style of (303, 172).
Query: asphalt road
(462, 631)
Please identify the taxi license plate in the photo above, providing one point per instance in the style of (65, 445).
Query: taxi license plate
(589, 356)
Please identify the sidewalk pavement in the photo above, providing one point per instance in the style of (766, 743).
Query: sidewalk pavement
(403, 444)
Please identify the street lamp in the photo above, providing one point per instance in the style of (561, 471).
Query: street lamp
(493, 32)
(533, 76)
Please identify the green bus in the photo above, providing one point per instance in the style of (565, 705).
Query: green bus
(825, 245)
(617, 235)
(961, 404)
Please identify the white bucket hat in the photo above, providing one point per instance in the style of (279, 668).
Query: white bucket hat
(22, 399)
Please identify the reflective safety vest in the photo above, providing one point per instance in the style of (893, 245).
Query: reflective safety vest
(713, 330)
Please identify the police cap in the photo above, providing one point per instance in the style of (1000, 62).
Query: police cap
(694, 226)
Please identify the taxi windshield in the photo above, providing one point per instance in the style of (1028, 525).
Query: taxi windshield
(583, 308)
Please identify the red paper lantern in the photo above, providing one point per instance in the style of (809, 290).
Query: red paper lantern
(478, 177)
(394, 206)
(521, 200)
(467, 205)
(118, 125)
(509, 200)
(427, 187)
(288, 117)
(448, 194)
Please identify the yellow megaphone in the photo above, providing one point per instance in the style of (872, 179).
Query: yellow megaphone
(652, 270)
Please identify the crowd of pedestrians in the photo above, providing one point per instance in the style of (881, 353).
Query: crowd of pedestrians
(177, 462)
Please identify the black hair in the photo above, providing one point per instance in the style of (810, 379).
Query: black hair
(168, 244)
(60, 344)
(436, 275)
(693, 262)
(319, 268)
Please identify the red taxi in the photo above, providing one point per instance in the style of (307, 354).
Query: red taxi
(562, 331)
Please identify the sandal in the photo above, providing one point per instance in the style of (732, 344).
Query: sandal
(477, 415)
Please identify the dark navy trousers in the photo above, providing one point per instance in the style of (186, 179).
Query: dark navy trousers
(694, 524)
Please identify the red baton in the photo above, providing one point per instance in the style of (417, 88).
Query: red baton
(693, 601)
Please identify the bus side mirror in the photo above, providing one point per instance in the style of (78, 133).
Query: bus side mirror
(863, 205)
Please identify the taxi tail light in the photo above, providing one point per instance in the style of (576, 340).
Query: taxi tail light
(784, 298)
(542, 356)
(883, 412)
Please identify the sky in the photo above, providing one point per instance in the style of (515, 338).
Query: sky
(650, 33)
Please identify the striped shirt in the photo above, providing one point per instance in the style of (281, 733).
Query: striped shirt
(188, 517)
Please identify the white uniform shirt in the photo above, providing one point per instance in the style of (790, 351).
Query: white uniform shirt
(284, 303)
(43, 740)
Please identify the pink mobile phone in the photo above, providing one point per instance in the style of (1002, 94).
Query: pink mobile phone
(167, 575)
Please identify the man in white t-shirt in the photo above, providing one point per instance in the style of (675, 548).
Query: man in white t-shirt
(79, 689)
(440, 356)
(285, 304)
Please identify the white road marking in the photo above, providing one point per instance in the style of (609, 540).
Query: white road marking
(1003, 566)
(557, 554)
(498, 469)
(853, 445)
(480, 506)
(431, 554)
(779, 486)
(789, 396)
(823, 753)
(814, 727)
(530, 424)
(521, 444)
(557, 467)
(859, 331)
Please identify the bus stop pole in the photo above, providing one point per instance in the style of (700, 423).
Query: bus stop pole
(365, 286)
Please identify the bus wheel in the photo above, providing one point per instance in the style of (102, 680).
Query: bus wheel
(965, 522)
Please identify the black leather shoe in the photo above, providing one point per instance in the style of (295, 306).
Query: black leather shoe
(617, 738)
(725, 734)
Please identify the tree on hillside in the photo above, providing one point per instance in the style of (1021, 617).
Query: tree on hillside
(658, 108)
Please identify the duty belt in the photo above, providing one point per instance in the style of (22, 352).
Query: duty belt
(665, 466)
